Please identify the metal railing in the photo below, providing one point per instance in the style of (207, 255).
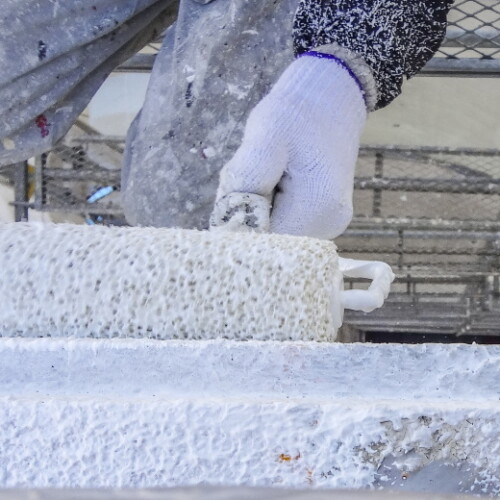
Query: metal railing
(434, 215)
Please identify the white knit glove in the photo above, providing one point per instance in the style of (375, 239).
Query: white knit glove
(298, 154)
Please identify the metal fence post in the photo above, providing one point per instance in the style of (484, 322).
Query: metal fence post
(377, 192)
(40, 187)
(21, 191)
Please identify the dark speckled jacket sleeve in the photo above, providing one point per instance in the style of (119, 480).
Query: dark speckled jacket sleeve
(394, 38)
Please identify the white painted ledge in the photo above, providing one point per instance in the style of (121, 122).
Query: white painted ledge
(253, 369)
(120, 413)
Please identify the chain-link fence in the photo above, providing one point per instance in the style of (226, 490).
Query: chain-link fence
(473, 30)
(434, 215)
(80, 177)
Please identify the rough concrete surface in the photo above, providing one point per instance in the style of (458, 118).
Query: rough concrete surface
(142, 414)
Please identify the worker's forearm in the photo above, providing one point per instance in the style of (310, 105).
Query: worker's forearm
(394, 38)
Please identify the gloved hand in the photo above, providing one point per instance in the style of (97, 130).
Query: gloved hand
(298, 154)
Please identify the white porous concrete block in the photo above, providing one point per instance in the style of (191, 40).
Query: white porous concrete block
(67, 280)
(136, 413)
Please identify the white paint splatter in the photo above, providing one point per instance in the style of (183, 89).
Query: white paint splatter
(209, 152)
(238, 91)
(8, 144)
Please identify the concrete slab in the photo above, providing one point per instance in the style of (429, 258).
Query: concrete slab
(119, 413)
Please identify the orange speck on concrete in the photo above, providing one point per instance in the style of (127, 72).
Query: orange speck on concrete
(284, 457)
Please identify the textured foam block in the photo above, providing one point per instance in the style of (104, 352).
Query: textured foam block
(68, 280)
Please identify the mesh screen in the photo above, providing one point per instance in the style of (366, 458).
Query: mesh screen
(82, 176)
(433, 215)
(473, 30)
(427, 208)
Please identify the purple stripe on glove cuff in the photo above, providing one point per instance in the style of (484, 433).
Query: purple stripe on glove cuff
(339, 61)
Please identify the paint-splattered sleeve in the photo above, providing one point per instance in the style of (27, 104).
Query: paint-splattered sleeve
(426, 35)
(394, 37)
(55, 55)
